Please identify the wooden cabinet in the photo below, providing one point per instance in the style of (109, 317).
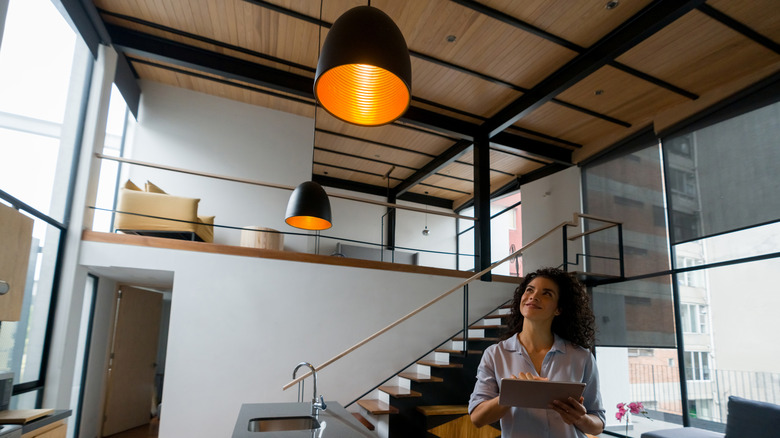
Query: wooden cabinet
(15, 241)
(55, 430)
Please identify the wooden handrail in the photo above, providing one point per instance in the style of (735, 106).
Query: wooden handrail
(277, 186)
(574, 222)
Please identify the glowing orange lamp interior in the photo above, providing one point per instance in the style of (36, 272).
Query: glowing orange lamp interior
(363, 94)
(308, 223)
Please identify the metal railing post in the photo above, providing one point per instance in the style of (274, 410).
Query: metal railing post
(620, 251)
(465, 320)
(565, 250)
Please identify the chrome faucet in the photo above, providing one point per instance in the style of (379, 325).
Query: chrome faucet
(316, 405)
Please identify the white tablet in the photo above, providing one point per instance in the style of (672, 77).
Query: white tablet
(538, 394)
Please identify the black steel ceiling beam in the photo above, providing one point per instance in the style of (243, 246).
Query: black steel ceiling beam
(374, 160)
(642, 25)
(447, 108)
(386, 145)
(654, 80)
(514, 153)
(739, 27)
(433, 166)
(534, 147)
(370, 189)
(211, 41)
(335, 166)
(515, 22)
(182, 55)
(219, 80)
(592, 113)
(545, 136)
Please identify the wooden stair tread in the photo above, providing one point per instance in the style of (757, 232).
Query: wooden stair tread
(417, 377)
(445, 350)
(461, 339)
(377, 407)
(487, 326)
(436, 364)
(399, 391)
(363, 420)
(443, 410)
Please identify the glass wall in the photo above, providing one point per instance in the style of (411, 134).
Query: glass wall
(713, 268)
(506, 235)
(38, 54)
(726, 252)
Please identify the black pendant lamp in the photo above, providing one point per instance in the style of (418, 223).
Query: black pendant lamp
(309, 207)
(364, 74)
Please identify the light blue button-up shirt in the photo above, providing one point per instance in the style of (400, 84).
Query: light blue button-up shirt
(565, 362)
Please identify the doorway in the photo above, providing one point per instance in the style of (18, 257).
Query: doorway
(134, 372)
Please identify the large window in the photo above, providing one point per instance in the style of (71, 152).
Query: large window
(42, 82)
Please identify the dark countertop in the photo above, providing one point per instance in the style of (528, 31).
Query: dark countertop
(38, 423)
(336, 421)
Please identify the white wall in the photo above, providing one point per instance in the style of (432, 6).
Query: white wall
(239, 325)
(546, 203)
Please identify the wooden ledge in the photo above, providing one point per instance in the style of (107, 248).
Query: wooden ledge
(186, 245)
(443, 410)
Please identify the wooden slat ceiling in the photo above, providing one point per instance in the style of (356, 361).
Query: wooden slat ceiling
(548, 82)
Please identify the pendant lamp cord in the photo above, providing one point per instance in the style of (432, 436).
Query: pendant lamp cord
(314, 134)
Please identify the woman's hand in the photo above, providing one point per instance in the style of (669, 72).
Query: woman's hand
(570, 410)
(573, 412)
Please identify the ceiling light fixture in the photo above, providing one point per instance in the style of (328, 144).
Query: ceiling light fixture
(364, 74)
(309, 207)
(426, 232)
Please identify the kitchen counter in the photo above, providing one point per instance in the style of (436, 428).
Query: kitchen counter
(55, 416)
(335, 422)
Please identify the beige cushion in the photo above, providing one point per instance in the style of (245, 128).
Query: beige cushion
(151, 188)
(205, 230)
(130, 186)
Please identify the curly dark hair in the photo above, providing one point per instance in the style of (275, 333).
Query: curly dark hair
(576, 322)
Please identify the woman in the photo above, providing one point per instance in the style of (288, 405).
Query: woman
(551, 329)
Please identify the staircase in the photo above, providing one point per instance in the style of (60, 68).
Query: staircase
(430, 398)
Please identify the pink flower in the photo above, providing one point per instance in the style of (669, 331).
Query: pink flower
(619, 415)
(635, 408)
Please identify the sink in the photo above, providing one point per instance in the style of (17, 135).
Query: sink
(281, 424)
